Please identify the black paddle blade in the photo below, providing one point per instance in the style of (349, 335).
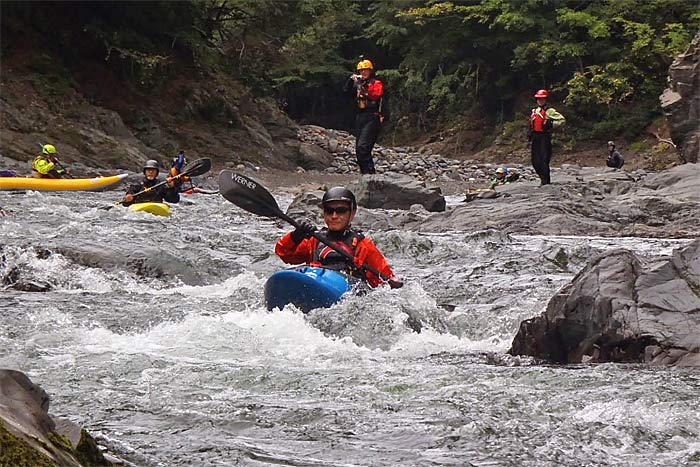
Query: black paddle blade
(248, 194)
(198, 167)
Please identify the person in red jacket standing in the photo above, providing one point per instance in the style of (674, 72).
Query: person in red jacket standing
(543, 120)
(368, 92)
(339, 209)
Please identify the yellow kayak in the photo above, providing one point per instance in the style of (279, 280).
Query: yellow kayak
(61, 184)
(158, 209)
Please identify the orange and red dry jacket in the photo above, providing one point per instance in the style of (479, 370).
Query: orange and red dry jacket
(366, 252)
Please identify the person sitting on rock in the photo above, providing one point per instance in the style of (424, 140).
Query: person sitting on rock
(503, 175)
(614, 159)
(46, 164)
(339, 209)
(145, 192)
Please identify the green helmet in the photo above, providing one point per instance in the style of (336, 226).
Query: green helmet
(48, 149)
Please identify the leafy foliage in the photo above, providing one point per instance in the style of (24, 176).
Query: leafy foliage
(441, 60)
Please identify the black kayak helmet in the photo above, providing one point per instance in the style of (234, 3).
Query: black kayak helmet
(340, 193)
(151, 164)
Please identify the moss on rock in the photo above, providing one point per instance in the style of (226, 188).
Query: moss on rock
(88, 453)
(18, 453)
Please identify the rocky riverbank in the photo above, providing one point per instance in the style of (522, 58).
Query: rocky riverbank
(580, 201)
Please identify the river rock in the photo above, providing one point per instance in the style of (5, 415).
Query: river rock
(620, 308)
(419, 162)
(396, 191)
(681, 102)
(313, 157)
(31, 437)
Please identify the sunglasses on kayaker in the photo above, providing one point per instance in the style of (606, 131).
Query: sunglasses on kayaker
(339, 210)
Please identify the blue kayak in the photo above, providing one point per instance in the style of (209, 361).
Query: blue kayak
(306, 287)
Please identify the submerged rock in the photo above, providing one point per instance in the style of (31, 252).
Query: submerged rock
(620, 309)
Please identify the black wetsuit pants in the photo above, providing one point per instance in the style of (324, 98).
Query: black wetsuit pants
(541, 155)
(367, 126)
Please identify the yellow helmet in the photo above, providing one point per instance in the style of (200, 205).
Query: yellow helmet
(365, 65)
(500, 170)
(48, 149)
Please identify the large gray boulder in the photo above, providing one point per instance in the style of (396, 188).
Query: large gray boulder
(620, 309)
(681, 102)
(31, 437)
(396, 191)
(312, 157)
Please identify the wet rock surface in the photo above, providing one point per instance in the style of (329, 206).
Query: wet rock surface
(622, 309)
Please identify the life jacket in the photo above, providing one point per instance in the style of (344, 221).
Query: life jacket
(369, 95)
(538, 117)
(42, 165)
(327, 257)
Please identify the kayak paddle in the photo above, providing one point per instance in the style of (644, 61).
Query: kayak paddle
(251, 196)
(195, 168)
(65, 172)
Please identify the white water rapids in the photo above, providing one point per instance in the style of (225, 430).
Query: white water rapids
(154, 336)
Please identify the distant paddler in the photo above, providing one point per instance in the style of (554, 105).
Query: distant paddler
(46, 164)
(150, 190)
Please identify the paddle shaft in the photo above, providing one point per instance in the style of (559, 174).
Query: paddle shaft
(159, 184)
(63, 168)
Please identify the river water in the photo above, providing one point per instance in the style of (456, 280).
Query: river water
(154, 336)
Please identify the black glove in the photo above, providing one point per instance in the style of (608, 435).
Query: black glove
(548, 124)
(305, 230)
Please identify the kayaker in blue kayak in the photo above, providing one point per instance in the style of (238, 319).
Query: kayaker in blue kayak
(169, 192)
(339, 209)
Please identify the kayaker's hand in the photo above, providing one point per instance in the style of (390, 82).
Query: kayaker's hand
(128, 198)
(170, 181)
(305, 230)
(395, 283)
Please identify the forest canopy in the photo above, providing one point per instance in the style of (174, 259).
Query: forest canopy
(604, 60)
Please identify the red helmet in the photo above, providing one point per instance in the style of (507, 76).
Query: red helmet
(542, 94)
